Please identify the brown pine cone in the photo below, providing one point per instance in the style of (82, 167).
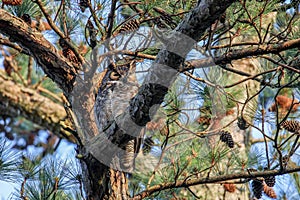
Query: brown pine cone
(269, 191)
(291, 125)
(226, 137)
(257, 187)
(270, 180)
(131, 25)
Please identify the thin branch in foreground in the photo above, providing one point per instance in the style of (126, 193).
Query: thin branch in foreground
(217, 179)
(44, 53)
(56, 29)
(7, 42)
(244, 53)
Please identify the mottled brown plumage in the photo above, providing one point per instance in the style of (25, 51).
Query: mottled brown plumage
(118, 87)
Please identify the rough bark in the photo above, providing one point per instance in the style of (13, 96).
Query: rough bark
(152, 92)
(17, 100)
(45, 54)
(156, 84)
(160, 77)
(227, 57)
(119, 185)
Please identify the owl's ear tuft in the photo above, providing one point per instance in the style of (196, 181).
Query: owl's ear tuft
(111, 66)
(132, 65)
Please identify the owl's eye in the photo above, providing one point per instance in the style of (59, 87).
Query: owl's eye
(114, 76)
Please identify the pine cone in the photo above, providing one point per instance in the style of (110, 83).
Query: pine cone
(242, 124)
(257, 187)
(270, 180)
(226, 137)
(148, 143)
(229, 187)
(291, 125)
(131, 25)
(269, 192)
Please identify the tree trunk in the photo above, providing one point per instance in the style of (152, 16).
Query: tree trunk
(119, 185)
(151, 93)
(99, 181)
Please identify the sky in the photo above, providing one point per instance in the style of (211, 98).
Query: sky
(64, 151)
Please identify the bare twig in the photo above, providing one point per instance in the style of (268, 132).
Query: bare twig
(7, 42)
(56, 29)
(110, 21)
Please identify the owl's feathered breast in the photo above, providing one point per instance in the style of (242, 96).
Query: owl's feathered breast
(117, 88)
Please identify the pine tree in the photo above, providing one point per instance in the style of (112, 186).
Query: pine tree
(57, 55)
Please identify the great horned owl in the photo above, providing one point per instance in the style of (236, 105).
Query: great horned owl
(117, 88)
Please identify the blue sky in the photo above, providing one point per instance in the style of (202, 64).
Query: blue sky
(64, 151)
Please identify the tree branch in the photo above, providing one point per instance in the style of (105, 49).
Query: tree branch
(7, 42)
(56, 29)
(19, 100)
(242, 53)
(188, 183)
(229, 56)
(191, 28)
(160, 77)
(54, 65)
